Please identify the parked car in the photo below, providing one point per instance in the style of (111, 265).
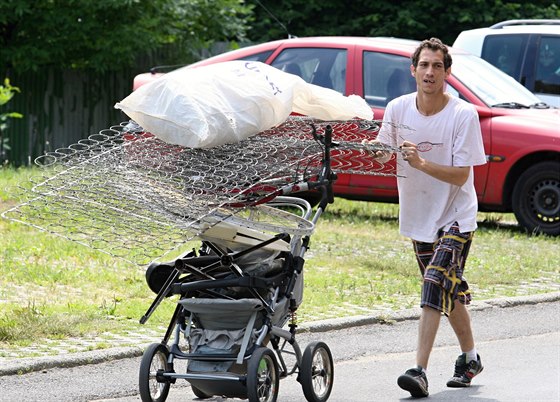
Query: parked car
(521, 134)
(528, 50)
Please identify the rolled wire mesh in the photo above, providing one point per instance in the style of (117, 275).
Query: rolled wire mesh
(127, 193)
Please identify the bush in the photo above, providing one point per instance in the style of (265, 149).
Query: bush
(7, 91)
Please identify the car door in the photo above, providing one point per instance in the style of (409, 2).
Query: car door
(326, 66)
(532, 59)
(546, 64)
(383, 77)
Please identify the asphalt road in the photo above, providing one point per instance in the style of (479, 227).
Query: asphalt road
(519, 346)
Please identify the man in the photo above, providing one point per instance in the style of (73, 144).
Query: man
(438, 204)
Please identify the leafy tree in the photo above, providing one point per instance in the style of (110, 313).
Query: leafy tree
(108, 34)
(413, 19)
(7, 91)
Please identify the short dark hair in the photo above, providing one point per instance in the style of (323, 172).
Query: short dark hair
(434, 44)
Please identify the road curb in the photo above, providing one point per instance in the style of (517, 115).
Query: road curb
(27, 365)
(414, 313)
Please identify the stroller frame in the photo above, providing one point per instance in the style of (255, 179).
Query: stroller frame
(256, 347)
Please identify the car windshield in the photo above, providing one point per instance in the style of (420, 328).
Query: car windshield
(492, 86)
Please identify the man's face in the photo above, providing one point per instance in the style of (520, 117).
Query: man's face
(430, 73)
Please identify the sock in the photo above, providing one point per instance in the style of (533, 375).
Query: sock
(471, 355)
(422, 369)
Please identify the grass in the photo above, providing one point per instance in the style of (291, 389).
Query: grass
(52, 289)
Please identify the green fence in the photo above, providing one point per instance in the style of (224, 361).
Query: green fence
(61, 107)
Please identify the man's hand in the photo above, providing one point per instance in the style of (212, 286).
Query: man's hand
(379, 151)
(410, 154)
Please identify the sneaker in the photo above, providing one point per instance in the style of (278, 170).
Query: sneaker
(415, 382)
(464, 372)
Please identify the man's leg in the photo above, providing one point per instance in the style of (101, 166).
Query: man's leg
(439, 288)
(460, 321)
(414, 380)
(427, 330)
(468, 364)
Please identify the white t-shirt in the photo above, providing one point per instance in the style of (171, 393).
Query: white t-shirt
(451, 137)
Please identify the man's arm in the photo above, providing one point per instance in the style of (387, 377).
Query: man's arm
(456, 175)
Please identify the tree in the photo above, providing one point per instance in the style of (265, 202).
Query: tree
(412, 19)
(108, 34)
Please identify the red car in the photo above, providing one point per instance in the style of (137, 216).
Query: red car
(521, 134)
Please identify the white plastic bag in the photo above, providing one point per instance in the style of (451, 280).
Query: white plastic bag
(230, 101)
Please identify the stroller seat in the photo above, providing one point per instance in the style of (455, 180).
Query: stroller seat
(214, 314)
(223, 328)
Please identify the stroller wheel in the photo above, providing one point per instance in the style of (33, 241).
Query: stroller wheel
(199, 394)
(317, 372)
(262, 376)
(153, 361)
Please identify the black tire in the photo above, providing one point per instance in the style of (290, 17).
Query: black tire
(199, 394)
(262, 376)
(154, 359)
(536, 199)
(316, 373)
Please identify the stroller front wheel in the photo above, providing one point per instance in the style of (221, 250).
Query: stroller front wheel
(154, 360)
(199, 394)
(317, 372)
(262, 376)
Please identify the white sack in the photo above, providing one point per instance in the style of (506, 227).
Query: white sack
(230, 101)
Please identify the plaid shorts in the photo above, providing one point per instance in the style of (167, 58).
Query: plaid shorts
(441, 265)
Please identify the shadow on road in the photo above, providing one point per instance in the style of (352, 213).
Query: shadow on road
(471, 394)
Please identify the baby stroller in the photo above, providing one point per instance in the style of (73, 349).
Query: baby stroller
(236, 293)
(126, 192)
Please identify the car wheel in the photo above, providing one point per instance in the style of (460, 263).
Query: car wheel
(536, 198)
